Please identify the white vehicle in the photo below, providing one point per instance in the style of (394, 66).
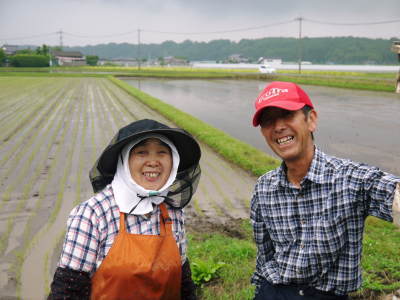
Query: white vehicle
(266, 69)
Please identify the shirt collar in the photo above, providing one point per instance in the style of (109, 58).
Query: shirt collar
(315, 173)
(317, 168)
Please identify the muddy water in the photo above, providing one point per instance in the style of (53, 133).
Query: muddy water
(360, 125)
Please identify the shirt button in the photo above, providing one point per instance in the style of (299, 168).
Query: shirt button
(301, 246)
(301, 293)
(303, 221)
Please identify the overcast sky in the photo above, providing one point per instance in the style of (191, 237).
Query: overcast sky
(90, 22)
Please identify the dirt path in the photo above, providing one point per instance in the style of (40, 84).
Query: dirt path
(67, 122)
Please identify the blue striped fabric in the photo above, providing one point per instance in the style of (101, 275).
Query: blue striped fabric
(313, 234)
(93, 225)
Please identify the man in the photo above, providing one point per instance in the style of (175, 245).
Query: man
(308, 214)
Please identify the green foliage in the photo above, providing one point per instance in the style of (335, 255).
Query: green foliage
(57, 48)
(25, 51)
(29, 60)
(2, 57)
(44, 50)
(204, 271)
(337, 50)
(92, 60)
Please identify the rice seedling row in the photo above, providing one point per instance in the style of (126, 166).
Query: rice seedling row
(70, 183)
(21, 119)
(51, 102)
(31, 173)
(65, 196)
(31, 138)
(9, 86)
(238, 192)
(35, 141)
(113, 108)
(30, 224)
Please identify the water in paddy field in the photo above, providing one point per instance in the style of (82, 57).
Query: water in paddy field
(360, 125)
(304, 66)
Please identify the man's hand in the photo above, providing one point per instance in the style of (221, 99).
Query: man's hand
(396, 205)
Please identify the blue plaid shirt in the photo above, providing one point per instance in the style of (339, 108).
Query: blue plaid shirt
(313, 234)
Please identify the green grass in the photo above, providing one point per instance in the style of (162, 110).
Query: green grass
(385, 75)
(359, 83)
(352, 80)
(237, 251)
(381, 258)
(233, 245)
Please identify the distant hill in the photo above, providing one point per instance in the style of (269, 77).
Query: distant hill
(335, 50)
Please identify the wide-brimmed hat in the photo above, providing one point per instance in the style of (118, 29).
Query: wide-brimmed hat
(189, 151)
(286, 95)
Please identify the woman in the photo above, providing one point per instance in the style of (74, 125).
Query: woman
(128, 241)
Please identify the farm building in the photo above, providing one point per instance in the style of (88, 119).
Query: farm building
(10, 49)
(126, 62)
(269, 61)
(174, 61)
(238, 58)
(68, 58)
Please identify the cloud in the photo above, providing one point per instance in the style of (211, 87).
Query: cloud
(102, 21)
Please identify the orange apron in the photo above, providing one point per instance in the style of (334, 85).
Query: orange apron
(145, 267)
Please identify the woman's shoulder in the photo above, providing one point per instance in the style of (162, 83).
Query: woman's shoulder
(98, 205)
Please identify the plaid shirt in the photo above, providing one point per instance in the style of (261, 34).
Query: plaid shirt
(313, 235)
(93, 225)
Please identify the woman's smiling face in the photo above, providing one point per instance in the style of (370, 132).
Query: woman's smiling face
(150, 164)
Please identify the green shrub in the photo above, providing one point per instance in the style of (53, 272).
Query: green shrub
(29, 60)
(92, 60)
(203, 271)
(2, 57)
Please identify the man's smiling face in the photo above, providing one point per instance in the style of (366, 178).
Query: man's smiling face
(288, 133)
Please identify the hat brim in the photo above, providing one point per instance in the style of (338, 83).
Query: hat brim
(287, 105)
(187, 147)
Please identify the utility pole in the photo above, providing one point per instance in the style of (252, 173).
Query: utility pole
(300, 54)
(138, 52)
(61, 38)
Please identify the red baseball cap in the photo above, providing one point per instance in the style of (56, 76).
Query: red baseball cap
(286, 95)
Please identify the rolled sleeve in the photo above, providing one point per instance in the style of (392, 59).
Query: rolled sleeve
(379, 189)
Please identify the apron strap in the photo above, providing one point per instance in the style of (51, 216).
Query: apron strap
(122, 222)
(165, 221)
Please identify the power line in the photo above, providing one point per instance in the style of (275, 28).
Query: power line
(30, 37)
(101, 36)
(134, 32)
(221, 31)
(352, 24)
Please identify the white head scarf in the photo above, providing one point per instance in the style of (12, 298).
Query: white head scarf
(128, 193)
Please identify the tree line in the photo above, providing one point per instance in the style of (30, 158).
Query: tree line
(328, 50)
